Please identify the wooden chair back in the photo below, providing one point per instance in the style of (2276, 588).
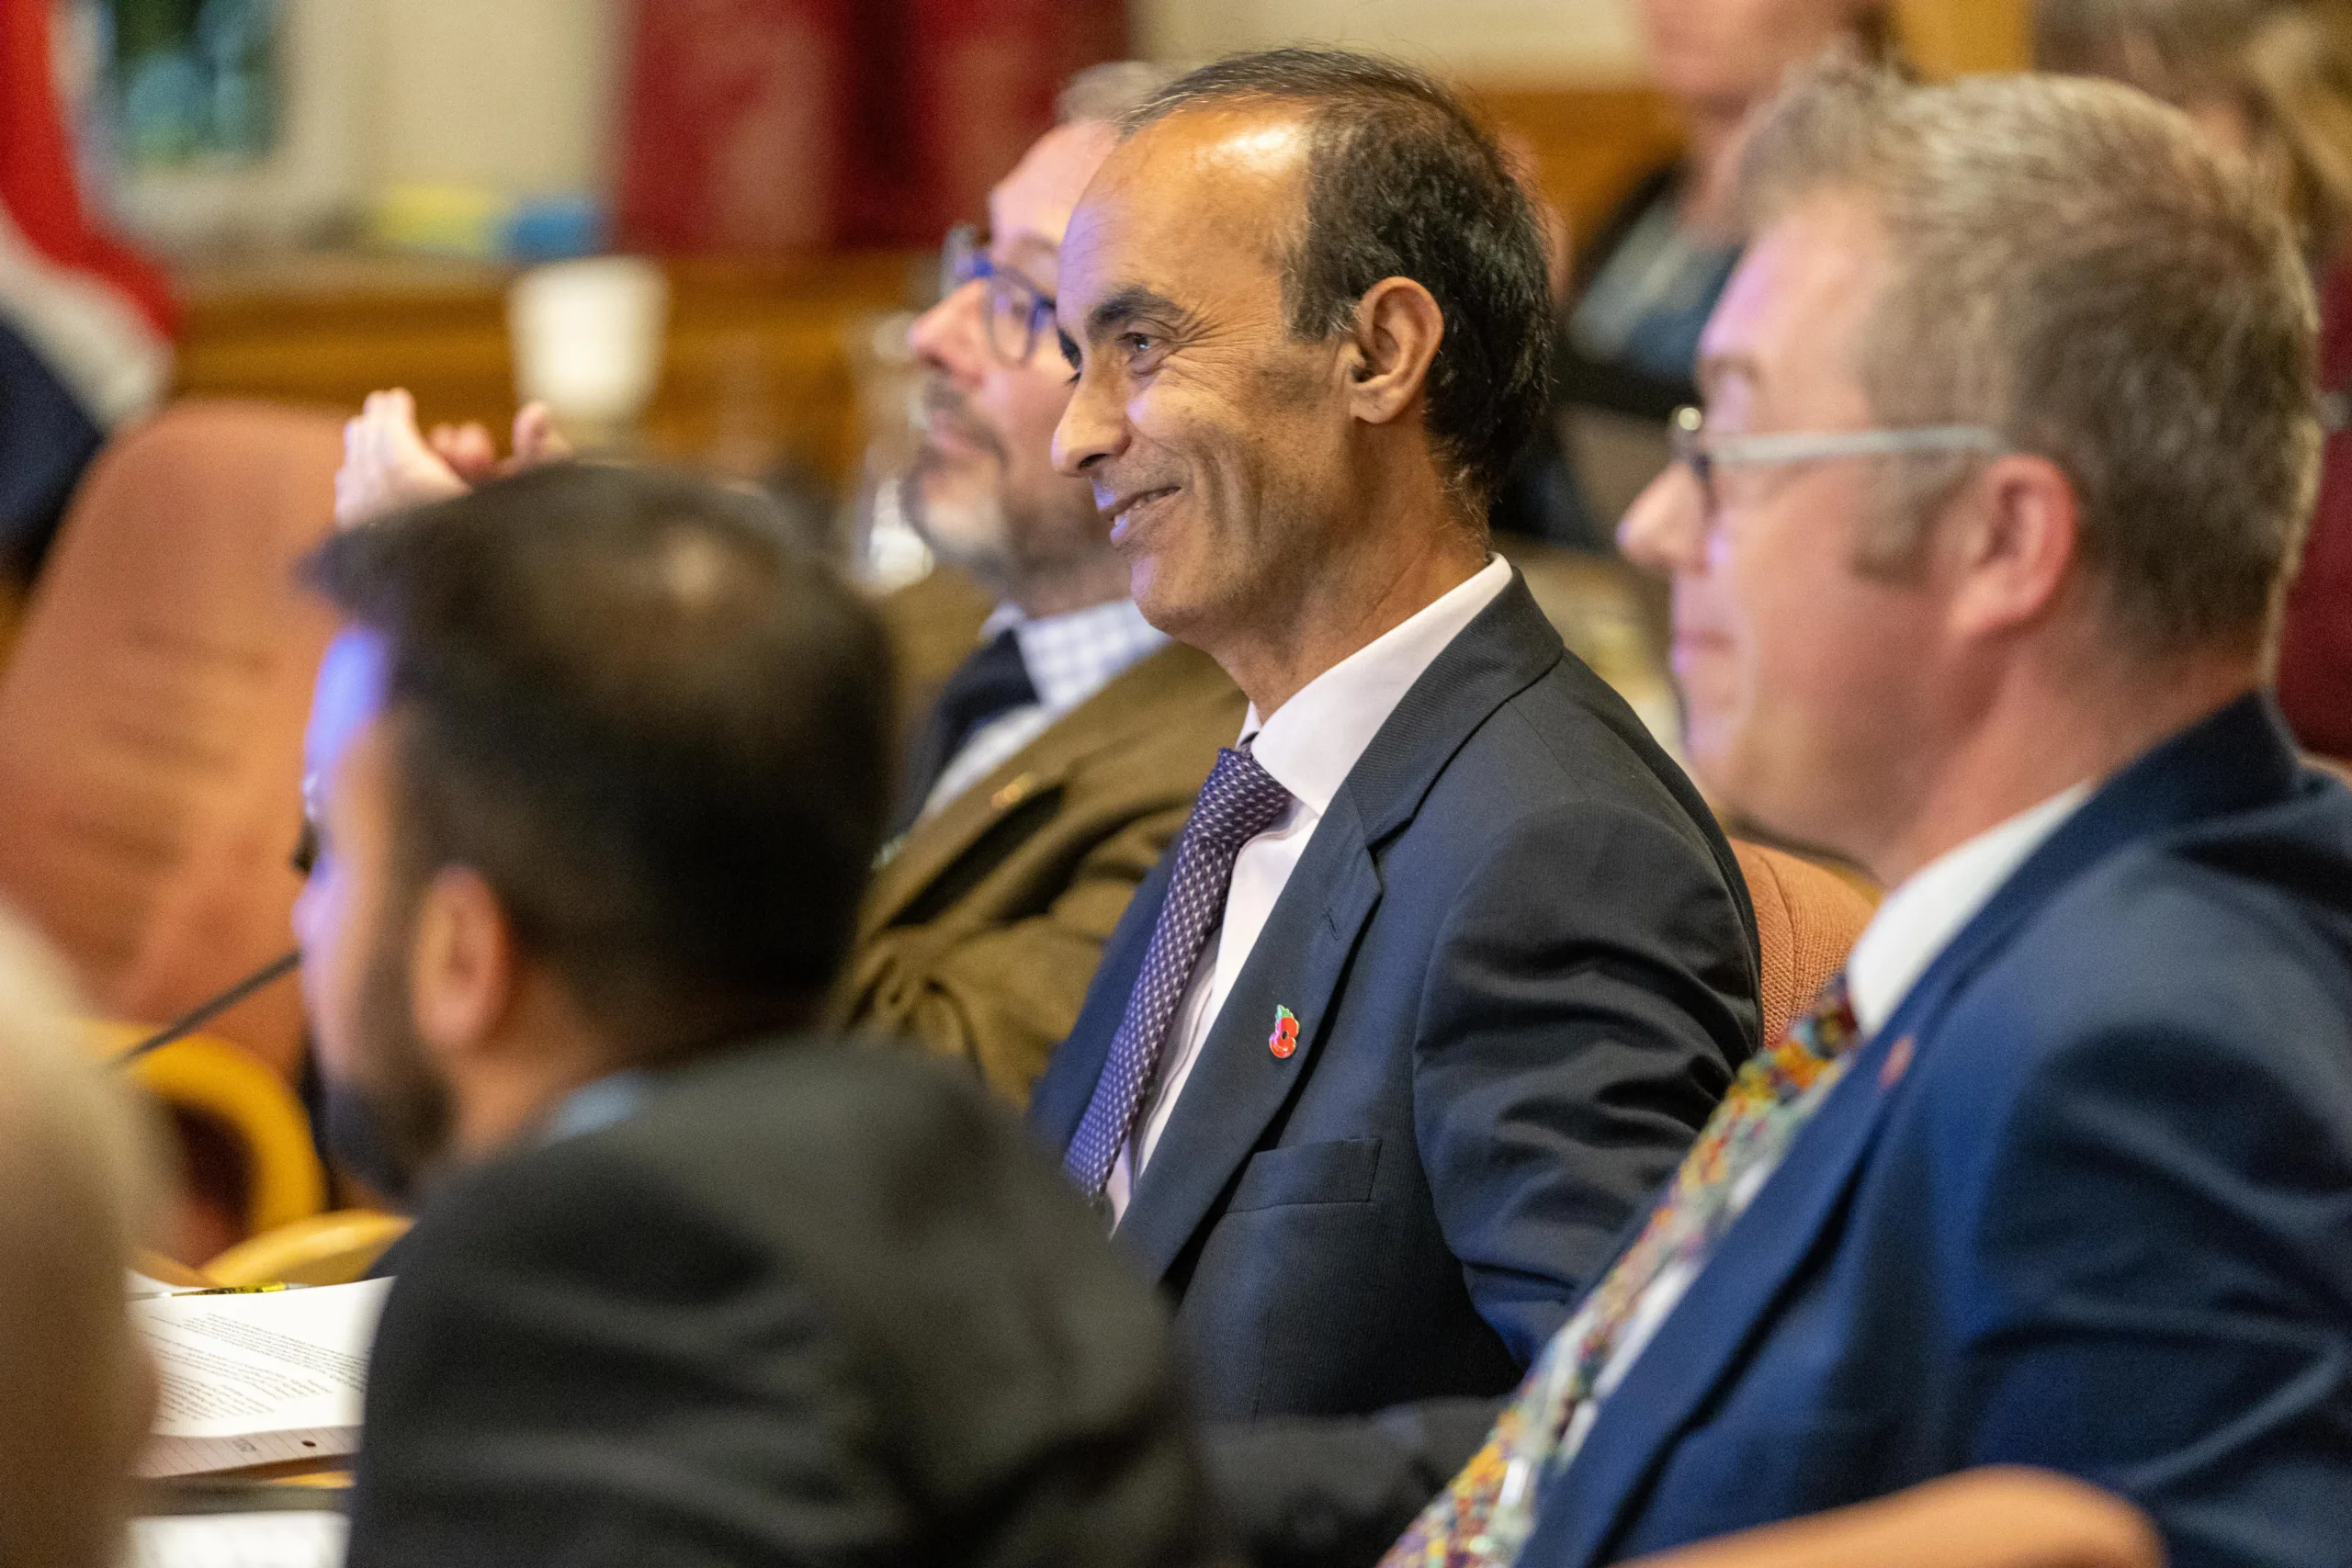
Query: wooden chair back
(1807, 917)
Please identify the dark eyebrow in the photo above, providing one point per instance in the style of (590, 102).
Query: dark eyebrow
(1125, 304)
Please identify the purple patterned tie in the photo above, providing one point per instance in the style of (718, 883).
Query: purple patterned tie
(1240, 801)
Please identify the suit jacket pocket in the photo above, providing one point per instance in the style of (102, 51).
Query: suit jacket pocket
(1340, 1172)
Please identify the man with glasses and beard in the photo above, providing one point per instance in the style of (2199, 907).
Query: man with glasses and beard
(597, 797)
(1060, 759)
(1050, 769)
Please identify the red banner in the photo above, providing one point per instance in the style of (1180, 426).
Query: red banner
(783, 124)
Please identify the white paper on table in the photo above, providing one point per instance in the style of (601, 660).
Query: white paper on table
(134, 1283)
(257, 1379)
(307, 1540)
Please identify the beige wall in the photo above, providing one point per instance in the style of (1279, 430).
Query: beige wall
(1495, 39)
(516, 95)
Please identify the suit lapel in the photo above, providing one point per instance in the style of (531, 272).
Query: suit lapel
(1130, 704)
(2237, 759)
(1238, 1085)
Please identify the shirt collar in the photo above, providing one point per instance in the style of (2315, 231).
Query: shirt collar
(1072, 656)
(1311, 743)
(592, 1107)
(1920, 919)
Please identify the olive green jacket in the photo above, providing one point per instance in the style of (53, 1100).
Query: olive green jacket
(984, 923)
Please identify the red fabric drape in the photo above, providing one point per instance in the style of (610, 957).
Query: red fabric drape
(2315, 640)
(782, 124)
(38, 185)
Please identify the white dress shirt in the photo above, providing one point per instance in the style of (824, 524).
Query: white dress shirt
(1070, 657)
(1310, 744)
(1911, 929)
(1920, 919)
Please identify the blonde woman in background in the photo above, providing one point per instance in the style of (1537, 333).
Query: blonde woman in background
(1648, 277)
(76, 1192)
(2272, 80)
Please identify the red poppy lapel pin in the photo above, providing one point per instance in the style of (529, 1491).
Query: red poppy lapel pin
(1284, 1038)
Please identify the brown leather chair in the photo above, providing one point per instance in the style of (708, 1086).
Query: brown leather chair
(1807, 917)
(2001, 1517)
(152, 715)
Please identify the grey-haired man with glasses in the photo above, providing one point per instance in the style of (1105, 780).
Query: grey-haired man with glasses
(1977, 554)
(1057, 761)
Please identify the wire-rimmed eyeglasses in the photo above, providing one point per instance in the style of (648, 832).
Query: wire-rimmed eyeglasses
(1705, 452)
(1016, 312)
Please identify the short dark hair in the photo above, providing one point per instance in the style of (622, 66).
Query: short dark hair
(1403, 182)
(656, 727)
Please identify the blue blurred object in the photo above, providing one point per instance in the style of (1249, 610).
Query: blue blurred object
(47, 438)
(194, 81)
(558, 228)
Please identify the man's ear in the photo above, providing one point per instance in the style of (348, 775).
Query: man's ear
(463, 964)
(1397, 329)
(2014, 549)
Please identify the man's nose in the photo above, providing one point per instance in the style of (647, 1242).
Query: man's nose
(1664, 530)
(948, 337)
(1093, 427)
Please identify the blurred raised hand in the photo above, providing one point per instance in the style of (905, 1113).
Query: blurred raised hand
(389, 464)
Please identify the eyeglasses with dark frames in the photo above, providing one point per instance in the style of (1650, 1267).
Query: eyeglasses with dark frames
(1706, 454)
(1017, 313)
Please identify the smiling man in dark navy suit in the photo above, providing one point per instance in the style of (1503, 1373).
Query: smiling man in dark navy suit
(1451, 961)
(2010, 435)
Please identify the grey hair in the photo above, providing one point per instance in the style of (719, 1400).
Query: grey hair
(2074, 267)
(1111, 90)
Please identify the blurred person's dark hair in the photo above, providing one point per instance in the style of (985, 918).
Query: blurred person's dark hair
(656, 727)
(1404, 182)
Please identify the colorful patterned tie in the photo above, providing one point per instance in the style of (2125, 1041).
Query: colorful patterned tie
(1484, 1516)
(1240, 801)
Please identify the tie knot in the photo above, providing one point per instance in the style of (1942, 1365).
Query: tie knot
(1239, 801)
(993, 679)
(1829, 1030)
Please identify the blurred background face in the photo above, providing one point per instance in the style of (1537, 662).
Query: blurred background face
(1731, 53)
(1215, 440)
(983, 493)
(388, 1109)
(1798, 673)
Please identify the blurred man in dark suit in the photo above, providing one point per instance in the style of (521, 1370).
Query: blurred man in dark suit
(610, 769)
(1449, 961)
(2010, 434)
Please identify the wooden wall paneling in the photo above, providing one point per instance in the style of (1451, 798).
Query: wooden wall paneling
(756, 367)
(1958, 38)
(1592, 144)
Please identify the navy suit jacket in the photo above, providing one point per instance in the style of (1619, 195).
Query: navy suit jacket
(1523, 966)
(2084, 1202)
